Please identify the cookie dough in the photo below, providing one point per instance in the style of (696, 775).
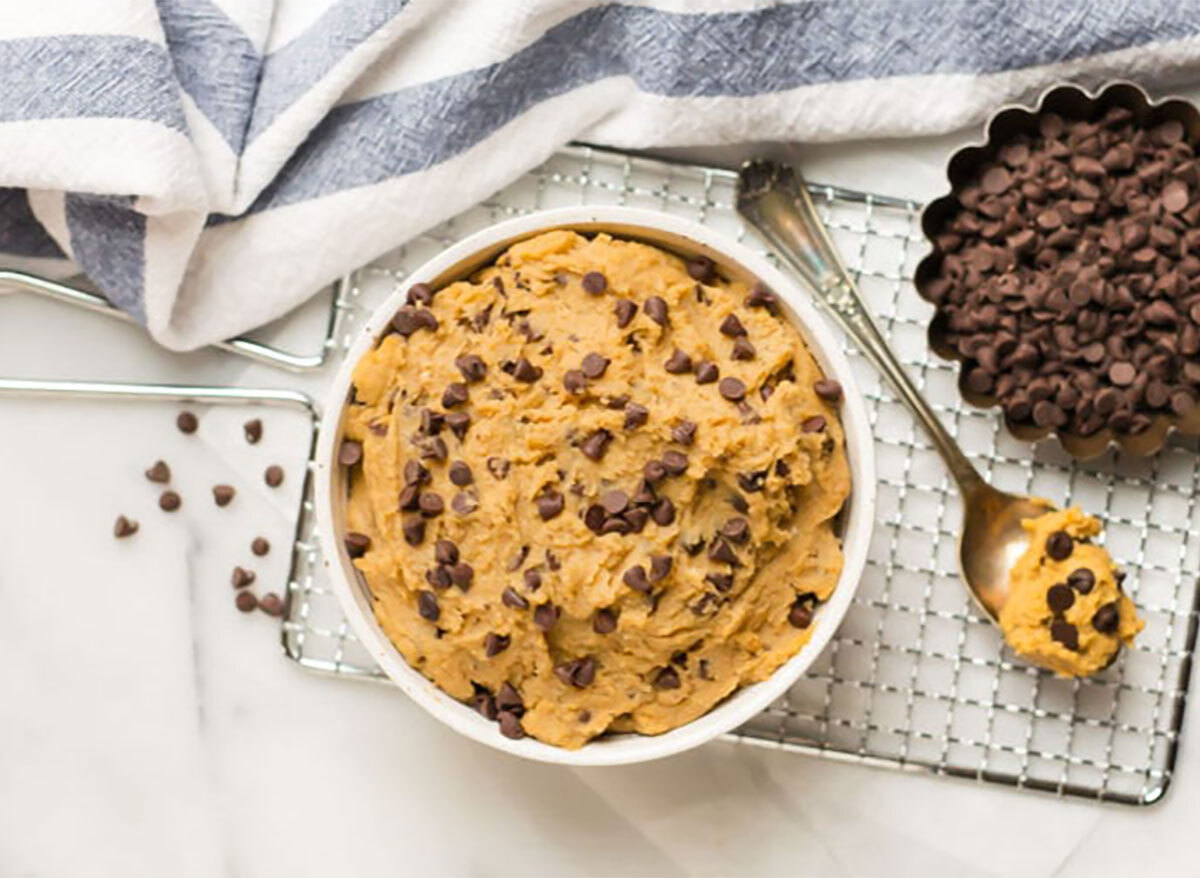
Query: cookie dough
(593, 488)
(1065, 608)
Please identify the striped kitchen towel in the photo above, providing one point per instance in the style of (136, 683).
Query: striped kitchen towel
(212, 163)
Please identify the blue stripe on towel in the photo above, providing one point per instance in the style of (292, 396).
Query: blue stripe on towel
(20, 232)
(108, 241)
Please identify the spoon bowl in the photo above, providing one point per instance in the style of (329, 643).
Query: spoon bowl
(992, 540)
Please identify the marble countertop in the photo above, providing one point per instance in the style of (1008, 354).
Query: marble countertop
(147, 728)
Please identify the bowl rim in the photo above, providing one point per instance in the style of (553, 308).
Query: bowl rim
(858, 513)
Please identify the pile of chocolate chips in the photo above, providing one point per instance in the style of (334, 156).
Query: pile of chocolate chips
(1070, 275)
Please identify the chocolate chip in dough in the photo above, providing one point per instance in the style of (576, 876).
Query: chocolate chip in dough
(675, 462)
(1082, 580)
(660, 567)
(415, 473)
(761, 297)
(635, 578)
(550, 504)
(707, 372)
(464, 503)
(1060, 598)
(253, 431)
(594, 366)
(815, 424)
(1059, 545)
(656, 310)
(532, 579)
(455, 394)
(743, 350)
(124, 527)
(736, 529)
(510, 725)
(356, 544)
(595, 283)
(578, 672)
(626, 310)
(684, 432)
(484, 702)
(242, 577)
(1062, 631)
(1107, 619)
(509, 699)
(545, 616)
(471, 366)
(635, 415)
(829, 390)
(722, 582)
(494, 644)
(498, 467)
(800, 615)
(458, 422)
(260, 546)
(350, 452)
(273, 476)
(510, 597)
(169, 501)
(160, 473)
(414, 531)
(431, 504)
(604, 622)
(732, 389)
(427, 605)
(419, 294)
(720, 550)
(574, 381)
(223, 494)
(615, 501)
(187, 423)
(462, 574)
(678, 363)
(526, 372)
(460, 474)
(666, 678)
(445, 552)
(732, 327)
(596, 444)
(655, 471)
(245, 601)
(663, 512)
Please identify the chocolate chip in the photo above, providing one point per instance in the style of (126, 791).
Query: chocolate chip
(498, 467)
(458, 422)
(578, 672)
(160, 473)
(722, 582)
(829, 390)
(1059, 598)
(752, 483)
(594, 365)
(635, 578)
(1059, 545)
(415, 473)
(433, 448)
(743, 350)
(596, 444)
(732, 389)
(702, 268)
(169, 501)
(456, 393)
(549, 504)
(260, 546)
(1082, 580)
(510, 725)
(419, 294)
(720, 550)
(761, 297)
(245, 601)
(595, 283)
(635, 415)
(644, 496)
(273, 476)
(430, 504)
(460, 474)
(350, 452)
(223, 494)
(614, 502)
(1122, 374)
(242, 577)
(666, 678)
(494, 644)
(511, 598)
(684, 432)
(445, 552)
(678, 363)
(187, 423)
(509, 699)
(427, 605)
(594, 517)
(660, 567)
(545, 616)
(464, 503)
(736, 529)
(663, 512)
(815, 424)
(484, 703)
(409, 320)
(655, 471)
(707, 372)
(732, 327)
(1107, 619)
(253, 431)
(675, 462)
(1062, 631)
(414, 531)
(356, 543)
(800, 614)
(532, 579)
(271, 604)
(604, 622)
(527, 372)
(625, 311)
(656, 309)
(472, 367)
(124, 527)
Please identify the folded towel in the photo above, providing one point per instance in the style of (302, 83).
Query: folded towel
(209, 164)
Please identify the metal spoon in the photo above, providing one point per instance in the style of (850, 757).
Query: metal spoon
(774, 198)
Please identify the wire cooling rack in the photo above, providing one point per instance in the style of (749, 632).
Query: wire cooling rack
(915, 678)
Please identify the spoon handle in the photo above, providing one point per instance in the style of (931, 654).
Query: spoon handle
(775, 199)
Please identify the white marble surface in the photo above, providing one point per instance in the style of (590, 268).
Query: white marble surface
(147, 728)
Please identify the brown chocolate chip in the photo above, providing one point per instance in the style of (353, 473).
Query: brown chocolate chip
(409, 320)
(484, 702)
(675, 462)
(635, 415)
(595, 518)
(1060, 598)
(1122, 374)
(660, 566)
(160, 473)
(596, 444)
(604, 622)
(464, 503)
(701, 268)
(1082, 580)
(415, 473)
(752, 483)
(494, 644)
(1107, 619)
(1175, 196)
(433, 448)
(533, 579)
(350, 452)
(815, 424)
(271, 604)
(509, 699)
(736, 529)
(720, 550)
(419, 294)
(1059, 545)
(550, 504)
(722, 582)
(245, 601)
(456, 393)
(654, 471)
(242, 577)
(666, 678)
(445, 552)
(625, 310)
(678, 363)
(510, 725)
(498, 467)
(460, 474)
(656, 309)
(526, 372)
(684, 432)
(472, 367)
(594, 365)
(260, 546)
(743, 350)
(800, 614)
(545, 616)
(761, 297)
(357, 544)
(635, 578)
(707, 372)
(427, 605)
(223, 494)
(169, 501)
(595, 283)
(615, 501)
(732, 389)
(732, 327)
(1062, 631)
(124, 527)
(273, 476)
(579, 672)
(574, 381)
(663, 512)
(253, 431)
(511, 598)
(829, 390)
(431, 504)
(187, 422)
(458, 422)
(996, 180)
(414, 531)
(410, 494)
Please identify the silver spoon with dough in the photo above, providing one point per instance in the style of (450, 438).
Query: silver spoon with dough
(996, 554)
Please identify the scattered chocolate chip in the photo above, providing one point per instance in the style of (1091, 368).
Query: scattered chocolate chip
(1062, 631)
(509, 699)
(635, 415)
(464, 503)
(427, 605)
(550, 504)
(273, 476)
(431, 504)
(494, 644)
(160, 473)
(432, 448)
(656, 310)
(732, 389)
(510, 725)
(596, 444)
(242, 577)
(350, 452)
(720, 550)
(702, 269)
(815, 424)
(684, 432)
(615, 501)
(187, 422)
(732, 327)
(829, 390)
(1060, 598)
(1059, 545)
(578, 672)
(660, 566)
(419, 294)
(253, 431)
(527, 372)
(655, 471)
(223, 494)
(663, 512)
(545, 616)
(498, 467)
(124, 527)
(595, 283)
(666, 678)
(675, 462)
(752, 483)
(169, 501)
(245, 601)
(438, 577)
(743, 350)
(445, 552)
(1107, 619)
(410, 495)
(800, 615)
(1082, 580)
(460, 474)
(511, 598)
(635, 578)
(456, 393)
(625, 309)
(414, 531)
(736, 529)
(356, 544)
(706, 372)
(604, 622)
(761, 297)
(458, 422)
(271, 604)
(678, 363)
(260, 546)
(722, 582)
(471, 366)
(484, 703)
(594, 366)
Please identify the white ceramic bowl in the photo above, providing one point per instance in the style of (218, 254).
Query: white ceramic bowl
(685, 238)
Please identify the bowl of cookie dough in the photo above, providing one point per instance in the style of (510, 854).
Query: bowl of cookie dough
(597, 487)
